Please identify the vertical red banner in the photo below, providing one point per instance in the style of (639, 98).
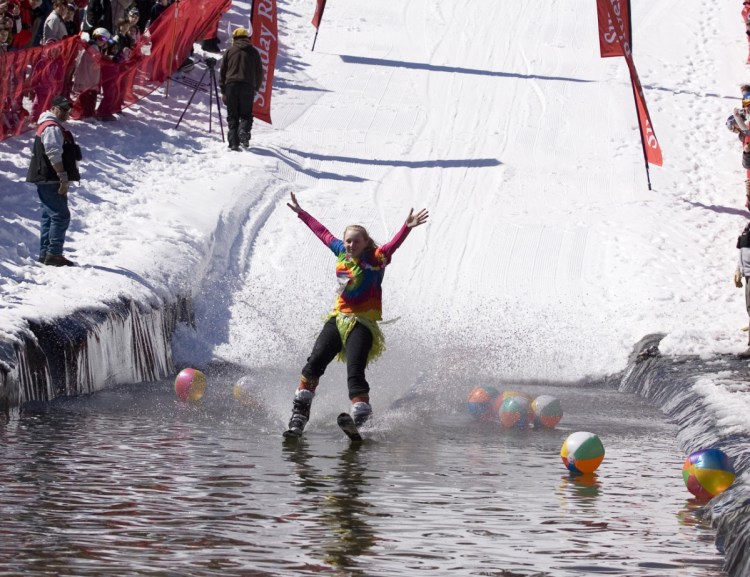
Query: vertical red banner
(651, 147)
(265, 39)
(320, 6)
(650, 144)
(608, 39)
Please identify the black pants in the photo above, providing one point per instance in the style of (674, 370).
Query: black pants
(328, 345)
(239, 111)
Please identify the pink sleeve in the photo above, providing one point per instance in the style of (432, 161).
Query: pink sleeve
(390, 247)
(320, 231)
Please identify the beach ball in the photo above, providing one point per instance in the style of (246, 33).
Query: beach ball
(246, 392)
(526, 396)
(514, 412)
(707, 473)
(480, 400)
(547, 411)
(501, 398)
(190, 385)
(582, 452)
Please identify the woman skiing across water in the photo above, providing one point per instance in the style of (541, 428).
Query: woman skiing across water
(351, 331)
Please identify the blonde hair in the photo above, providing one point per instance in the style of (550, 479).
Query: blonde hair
(370, 244)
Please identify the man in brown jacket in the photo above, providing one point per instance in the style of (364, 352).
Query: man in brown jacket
(241, 75)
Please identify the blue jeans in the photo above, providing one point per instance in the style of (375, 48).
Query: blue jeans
(55, 219)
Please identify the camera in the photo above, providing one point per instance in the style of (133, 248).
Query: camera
(210, 62)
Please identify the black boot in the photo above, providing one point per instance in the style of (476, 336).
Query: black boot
(300, 412)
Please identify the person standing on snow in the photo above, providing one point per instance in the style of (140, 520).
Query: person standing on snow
(743, 267)
(53, 166)
(738, 123)
(241, 75)
(351, 331)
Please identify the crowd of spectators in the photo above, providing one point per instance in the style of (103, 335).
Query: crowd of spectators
(114, 31)
(30, 23)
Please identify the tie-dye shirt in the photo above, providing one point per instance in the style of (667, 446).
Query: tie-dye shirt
(360, 278)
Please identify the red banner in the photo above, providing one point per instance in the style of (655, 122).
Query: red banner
(651, 147)
(100, 86)
(608, 43)
(318, 16)
(265, 39)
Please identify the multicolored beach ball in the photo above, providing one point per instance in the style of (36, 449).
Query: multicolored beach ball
(480, 400)
(501, 398)
(245, 390)
(547, 411)
(514, 412)
(582, 452)
(190, 385)
(707, 473)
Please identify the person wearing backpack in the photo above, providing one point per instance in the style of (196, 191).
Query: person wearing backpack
(53, 166)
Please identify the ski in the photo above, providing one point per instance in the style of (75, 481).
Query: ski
(292, 434)
(346, 424)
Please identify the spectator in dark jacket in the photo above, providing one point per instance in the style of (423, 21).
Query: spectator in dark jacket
(42, 9)
(71, 25)
(98, 15)
(157, 9)
(241, 75)
(53, 166)
(743, 270)
(141, 10)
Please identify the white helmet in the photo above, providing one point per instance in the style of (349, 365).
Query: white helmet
(101, 32)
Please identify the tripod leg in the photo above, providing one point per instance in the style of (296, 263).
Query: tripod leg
(218, 103)
(191, 98)
(210, 97)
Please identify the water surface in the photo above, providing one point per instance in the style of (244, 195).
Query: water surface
(131, 482)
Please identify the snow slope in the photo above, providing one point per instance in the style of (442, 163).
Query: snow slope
(545, 256)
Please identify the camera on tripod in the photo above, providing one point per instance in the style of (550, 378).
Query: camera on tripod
(213, 92)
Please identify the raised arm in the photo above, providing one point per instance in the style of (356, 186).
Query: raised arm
(412, 221)
(320, 231)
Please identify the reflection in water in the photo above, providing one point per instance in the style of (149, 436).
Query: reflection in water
(336, 503)
(691, 515)
(580, 488)
(346, 512)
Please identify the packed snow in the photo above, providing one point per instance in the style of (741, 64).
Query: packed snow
(546, 255)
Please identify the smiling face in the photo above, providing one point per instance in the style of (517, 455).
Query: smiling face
(355, 242)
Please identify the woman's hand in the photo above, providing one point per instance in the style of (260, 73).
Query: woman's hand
(294, 205)
(416, 219)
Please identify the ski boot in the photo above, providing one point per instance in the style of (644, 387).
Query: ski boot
(303, 399)
(361, 412)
